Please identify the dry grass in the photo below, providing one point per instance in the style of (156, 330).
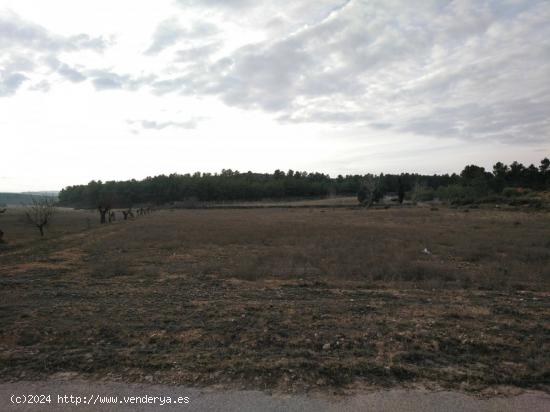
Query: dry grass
(18, 232)
(328, 202)
(288, 298)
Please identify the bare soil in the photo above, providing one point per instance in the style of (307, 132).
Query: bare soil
(287, 299)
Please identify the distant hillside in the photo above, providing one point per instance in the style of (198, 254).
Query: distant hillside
(52, 193)
(23, 198)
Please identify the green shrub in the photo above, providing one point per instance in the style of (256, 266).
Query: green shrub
(457, 194)
(422, 193)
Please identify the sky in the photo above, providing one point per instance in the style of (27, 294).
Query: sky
(114, 90)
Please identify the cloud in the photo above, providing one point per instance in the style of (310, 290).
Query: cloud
(42, 86)
(159, 125)
(32, 49)
(507, 121)
(468, 69)
(18, 62)
(148, 124)
(70, 73)
(171, 31)
(64, 70)
(451, 69)
(224, 4)
(10, 82)
(109, 80)
(194, 54)
(16, 32)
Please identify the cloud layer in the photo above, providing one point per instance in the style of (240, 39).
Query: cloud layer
(28, 48)
(468, 69)
(461, 69)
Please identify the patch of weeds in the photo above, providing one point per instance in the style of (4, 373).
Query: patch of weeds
(505, 310)
(28, 338)
(109, 269)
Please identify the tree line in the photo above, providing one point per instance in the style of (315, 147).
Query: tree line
(232, 185)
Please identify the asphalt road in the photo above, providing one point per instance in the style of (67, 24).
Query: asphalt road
(88, 393)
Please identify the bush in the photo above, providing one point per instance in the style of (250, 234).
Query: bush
(423, 193)
(527, 201)
(462, 202)
(492, 199)
(511, 192)
(457, 194)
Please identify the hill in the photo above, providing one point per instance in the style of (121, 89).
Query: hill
(7, 198)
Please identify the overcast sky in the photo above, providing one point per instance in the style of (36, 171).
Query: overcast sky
(123, 89)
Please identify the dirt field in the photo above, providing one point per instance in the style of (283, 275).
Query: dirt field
(288, 299)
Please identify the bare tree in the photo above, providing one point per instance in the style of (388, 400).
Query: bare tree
(40, 212)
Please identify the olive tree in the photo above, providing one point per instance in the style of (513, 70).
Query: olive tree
(103, 210)
(369, 191)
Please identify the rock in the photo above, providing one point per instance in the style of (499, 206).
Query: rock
(326, 346)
